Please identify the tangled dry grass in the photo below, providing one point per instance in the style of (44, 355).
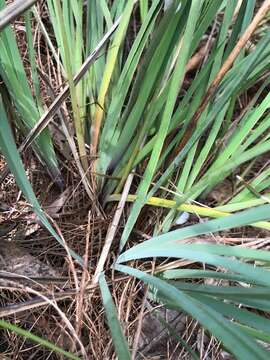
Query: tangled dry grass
(45, 291)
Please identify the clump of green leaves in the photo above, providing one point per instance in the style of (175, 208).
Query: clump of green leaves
(28, 105)
(135, 111)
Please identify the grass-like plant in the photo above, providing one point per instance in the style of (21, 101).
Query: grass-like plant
(139, 115)
(28, 107)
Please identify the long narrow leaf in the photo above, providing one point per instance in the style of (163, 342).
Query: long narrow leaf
(119, 340)
(36, 339)
(241, 345)
(9, 150)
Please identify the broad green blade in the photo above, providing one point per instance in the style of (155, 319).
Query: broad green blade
(235, 340)
(244, 316)
(171, 245)
(254, 297)
(174, 237)
(200, 274)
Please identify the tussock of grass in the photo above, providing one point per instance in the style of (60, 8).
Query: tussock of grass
(169, 105)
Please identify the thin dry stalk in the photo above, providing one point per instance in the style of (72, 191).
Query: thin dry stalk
(85, 276)
(69, 257)
(121, 305)
(112, 229)
(140, 320)
(139, 327)
(28, 305)
(197, 59)
(53, 303)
